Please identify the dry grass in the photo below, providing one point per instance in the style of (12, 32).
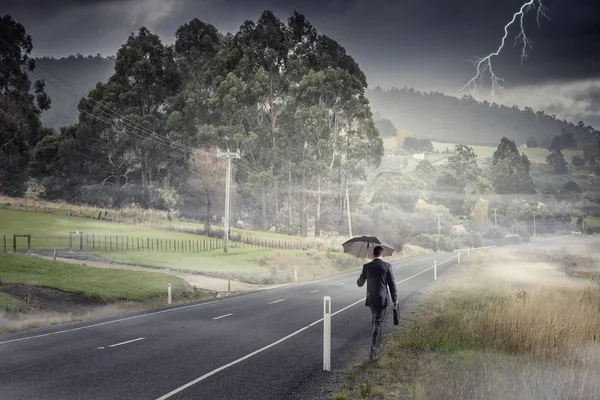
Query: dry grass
(511, 326)
(134, 215)
(11, 322)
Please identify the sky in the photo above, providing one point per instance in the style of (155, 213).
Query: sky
(424, 44)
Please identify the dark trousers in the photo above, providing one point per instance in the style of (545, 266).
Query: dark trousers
(378, 318)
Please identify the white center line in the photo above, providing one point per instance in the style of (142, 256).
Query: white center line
(276, 301)
(129, 341)
(315, 291)
(340, 284)
(223, 316)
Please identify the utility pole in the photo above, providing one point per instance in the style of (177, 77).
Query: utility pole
(348, 211)
(495, 217)
(534, 234)
(439, 228)
(227, 156)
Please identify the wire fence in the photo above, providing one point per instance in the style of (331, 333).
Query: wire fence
(90, 242)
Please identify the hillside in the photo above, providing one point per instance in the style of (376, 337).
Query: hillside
(79, 72)
(443, 118)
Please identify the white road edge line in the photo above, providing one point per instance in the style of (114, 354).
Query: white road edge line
(239, 360)
(165, 311)
(127, 342)
(223, 316)
(276, 301)
(315, 291)
(340, 284)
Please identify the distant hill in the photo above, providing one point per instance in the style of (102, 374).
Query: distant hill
(443, 118)
(81, 73)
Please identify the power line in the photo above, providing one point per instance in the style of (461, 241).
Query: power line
(157, 139)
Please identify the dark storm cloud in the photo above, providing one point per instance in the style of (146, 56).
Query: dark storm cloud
(426, 44)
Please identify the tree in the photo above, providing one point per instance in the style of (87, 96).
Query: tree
(205, 186)
(564, 141)
(578, 161)
(557, 161)
(125, 130)
(510, 169)
(426, 172)
(480, 213)
(591, 154)
(20, 109)
(463, 165)
(385, 127)
(532, 142)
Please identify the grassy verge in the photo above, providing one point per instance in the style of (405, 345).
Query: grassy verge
(10, 303)
(511, 326)
(256, 266)
(95, 283)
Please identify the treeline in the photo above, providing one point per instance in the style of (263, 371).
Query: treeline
(290, 99)
(444, 118)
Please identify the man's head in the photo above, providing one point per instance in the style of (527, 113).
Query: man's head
(378, 251)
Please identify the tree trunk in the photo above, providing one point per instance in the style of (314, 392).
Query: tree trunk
(290, 197)
(264, 206)
(276, 188)
(208, 214)
(318, 213)
(303, 206)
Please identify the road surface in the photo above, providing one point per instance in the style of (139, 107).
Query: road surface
(264, 345)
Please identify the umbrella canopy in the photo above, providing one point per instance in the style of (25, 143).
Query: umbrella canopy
(362, 247)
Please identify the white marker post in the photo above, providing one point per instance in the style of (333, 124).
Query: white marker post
(435, 270)
(327, 333)
(169, 294)
(296, 274)
(459, 257)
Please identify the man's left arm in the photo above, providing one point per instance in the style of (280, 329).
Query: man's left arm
(391, 282)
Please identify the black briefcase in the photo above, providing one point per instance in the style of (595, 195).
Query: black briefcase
(396, 316)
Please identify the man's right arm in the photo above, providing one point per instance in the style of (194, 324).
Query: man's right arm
(391, 282)
(362, 278)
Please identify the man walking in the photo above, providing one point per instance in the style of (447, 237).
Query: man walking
(379, 277)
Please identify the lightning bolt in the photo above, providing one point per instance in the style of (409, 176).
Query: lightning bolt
(484, 65)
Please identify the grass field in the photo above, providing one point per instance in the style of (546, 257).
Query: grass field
(95, 283)
(514, 325)
(42, 224)
(62, 216)
(535, 155)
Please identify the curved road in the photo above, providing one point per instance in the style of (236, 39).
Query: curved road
(264, 345)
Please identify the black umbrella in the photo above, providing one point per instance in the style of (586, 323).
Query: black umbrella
(362, 247)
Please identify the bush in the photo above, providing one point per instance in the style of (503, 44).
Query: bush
(432, 242)
(532, 143)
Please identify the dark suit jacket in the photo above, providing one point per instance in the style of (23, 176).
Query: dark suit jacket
(379, 277)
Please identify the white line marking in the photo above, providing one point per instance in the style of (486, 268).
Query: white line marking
(239, 360)
(340, 284)
(178, 308)
(276, 301)
(315, 291)
(223, 316)
(127, 342)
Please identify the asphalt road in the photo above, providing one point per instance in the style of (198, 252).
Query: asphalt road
(263, 345)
